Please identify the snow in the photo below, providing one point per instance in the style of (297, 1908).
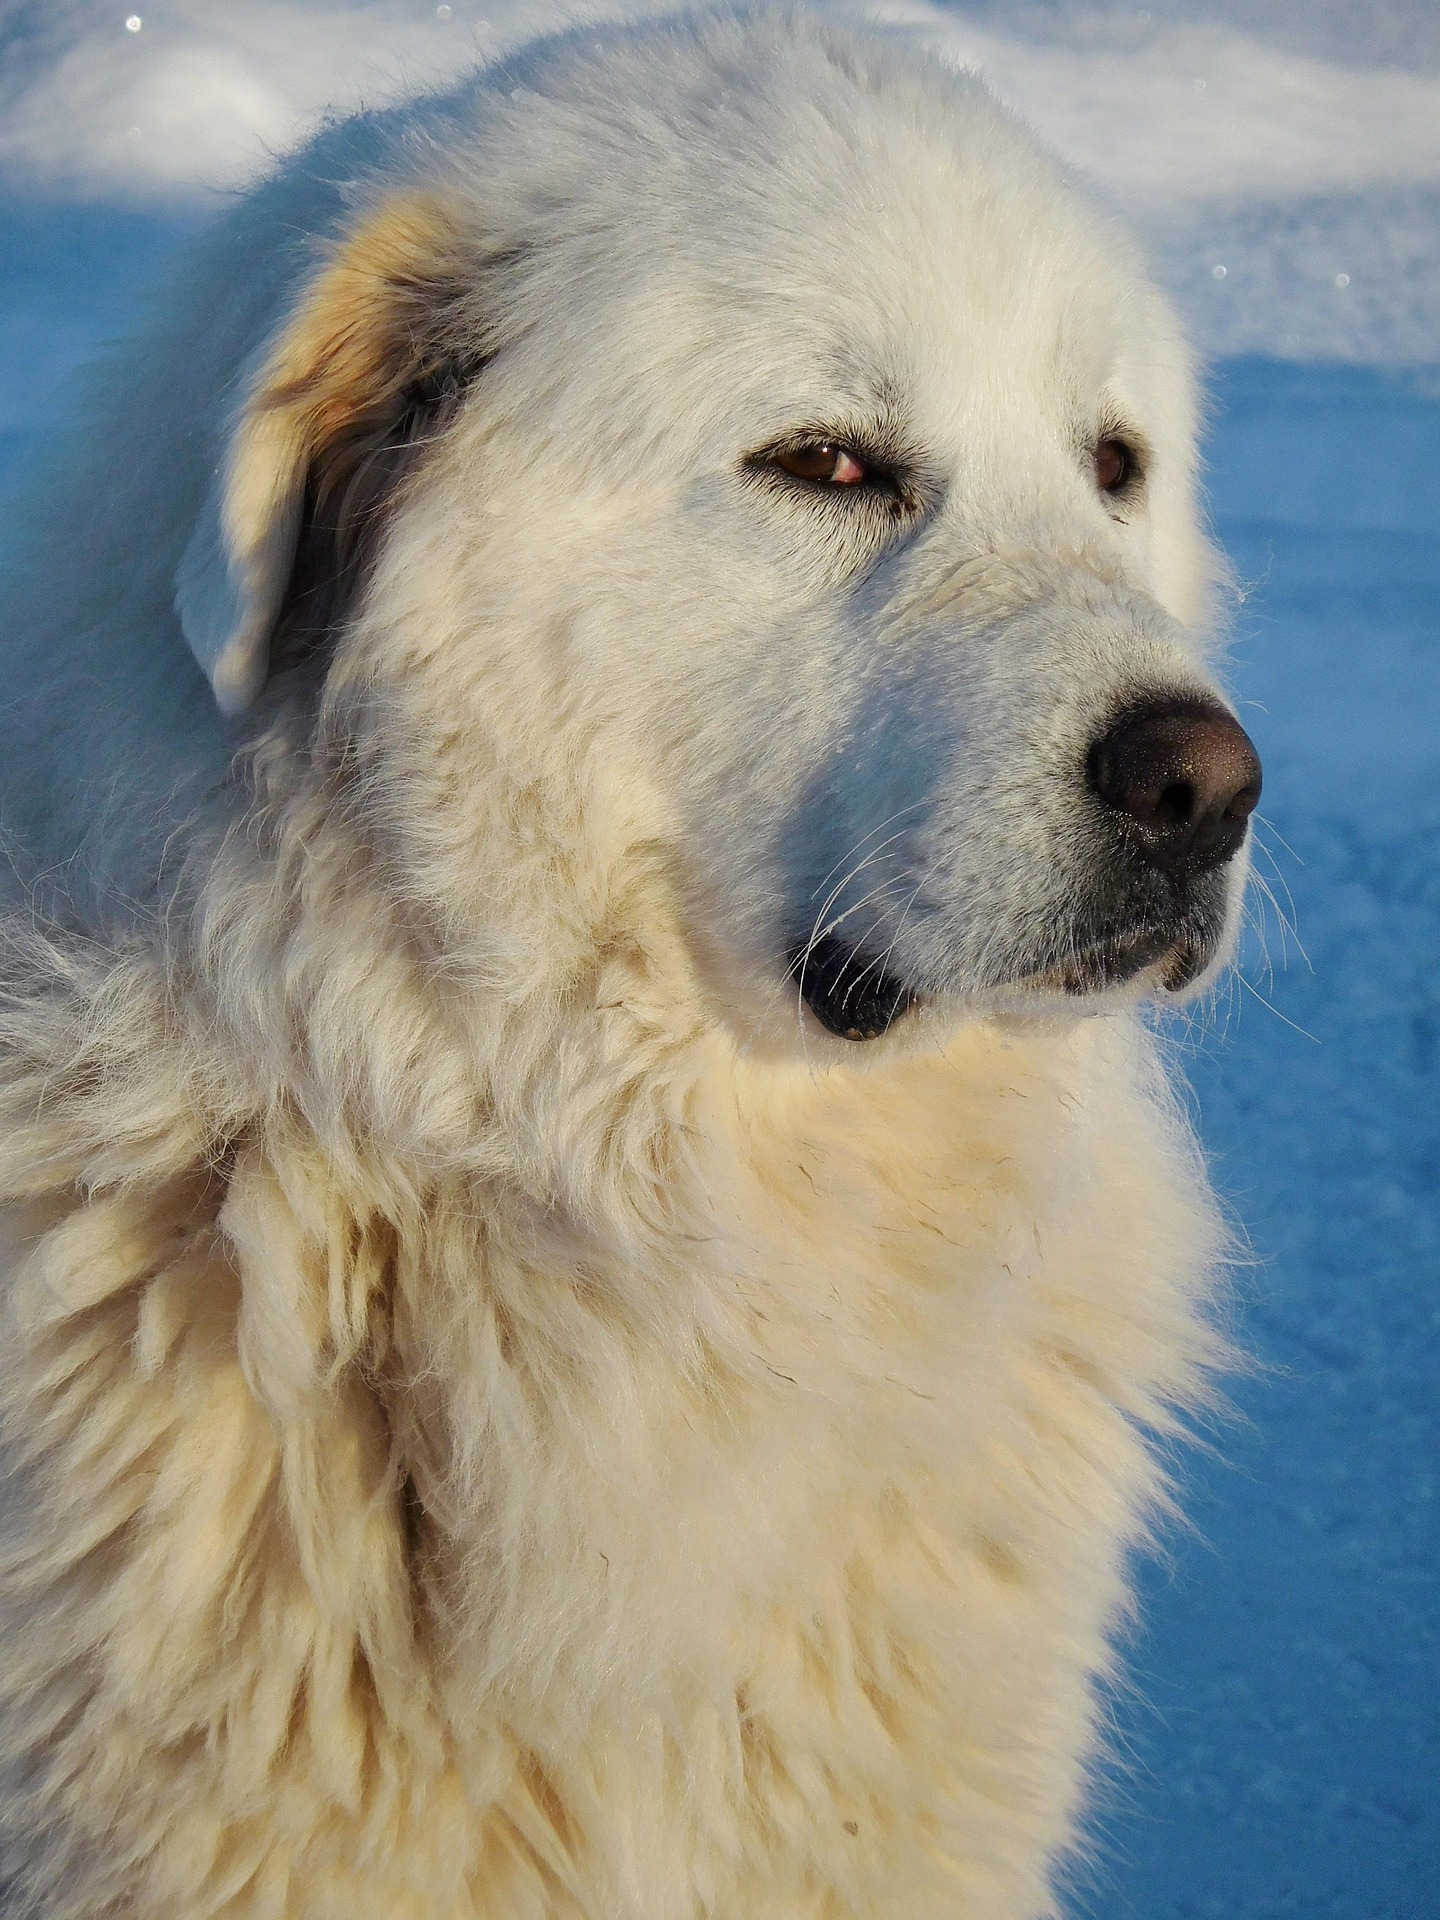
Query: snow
(1295, 143)
(1279, 1746)
(1284, 1738)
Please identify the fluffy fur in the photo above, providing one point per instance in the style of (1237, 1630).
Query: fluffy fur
(507, 1418)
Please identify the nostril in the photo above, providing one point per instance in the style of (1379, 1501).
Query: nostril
(1243, 804)
(1175, 804)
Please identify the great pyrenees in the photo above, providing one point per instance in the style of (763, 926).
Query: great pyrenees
(606, 730)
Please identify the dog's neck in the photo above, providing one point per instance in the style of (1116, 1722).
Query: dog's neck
(798, 1309)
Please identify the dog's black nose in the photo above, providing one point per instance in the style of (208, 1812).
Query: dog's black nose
(1186, 775)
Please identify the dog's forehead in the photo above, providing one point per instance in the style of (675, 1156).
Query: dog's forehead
(893, 310)
(836, 239)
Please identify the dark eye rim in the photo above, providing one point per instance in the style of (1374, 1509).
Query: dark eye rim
(884, 480)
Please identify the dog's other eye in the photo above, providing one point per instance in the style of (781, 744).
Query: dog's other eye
(825, 462)
(1115, 465)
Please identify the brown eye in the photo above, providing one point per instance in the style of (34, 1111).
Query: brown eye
(1114, 464)
(824, 461)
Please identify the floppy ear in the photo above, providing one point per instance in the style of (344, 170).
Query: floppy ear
(364, 368)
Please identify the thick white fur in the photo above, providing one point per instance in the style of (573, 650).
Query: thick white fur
(507, 1418)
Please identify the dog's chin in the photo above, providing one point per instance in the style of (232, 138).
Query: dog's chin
(1153, 959)
(859, 997)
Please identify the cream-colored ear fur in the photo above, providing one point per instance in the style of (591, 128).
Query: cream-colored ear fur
(334, 401)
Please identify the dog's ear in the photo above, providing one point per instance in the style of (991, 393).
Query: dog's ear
(365, 367)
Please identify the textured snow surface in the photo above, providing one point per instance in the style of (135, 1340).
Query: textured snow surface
(1280, 1751)
(1284, 1756)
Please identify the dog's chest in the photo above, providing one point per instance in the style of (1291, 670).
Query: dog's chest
(818, 1392)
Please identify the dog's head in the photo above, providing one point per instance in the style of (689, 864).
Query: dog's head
(737, 440)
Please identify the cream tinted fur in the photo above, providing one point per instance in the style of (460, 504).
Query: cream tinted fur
(507, 1417)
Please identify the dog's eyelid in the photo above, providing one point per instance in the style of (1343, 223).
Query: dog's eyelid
(881, 471)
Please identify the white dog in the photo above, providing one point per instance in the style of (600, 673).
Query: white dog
(597, 1234)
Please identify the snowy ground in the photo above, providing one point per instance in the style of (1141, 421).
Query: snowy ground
(1286, 1757)
(1281, 1751)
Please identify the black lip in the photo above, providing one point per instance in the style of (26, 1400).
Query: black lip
(855, 996)
(850, 994)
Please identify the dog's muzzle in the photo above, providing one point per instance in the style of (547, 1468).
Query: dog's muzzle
(1173, 782)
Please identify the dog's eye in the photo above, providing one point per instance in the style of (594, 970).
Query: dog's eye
(1114, 465)
(825, 462)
